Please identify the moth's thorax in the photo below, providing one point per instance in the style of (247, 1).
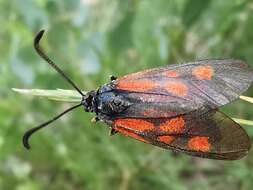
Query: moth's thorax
(109, 102)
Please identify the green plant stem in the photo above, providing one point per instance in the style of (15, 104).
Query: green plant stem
(243, 121)
(57, 95)
(74, 96)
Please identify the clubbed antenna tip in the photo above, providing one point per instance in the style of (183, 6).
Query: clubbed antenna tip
(38, 37)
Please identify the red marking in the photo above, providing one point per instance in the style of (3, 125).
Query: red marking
(166, 139)
(135, 85)
(130, 134)
(134, 124)
(199, 144)
(176, 87)
(135, 75)
(171, 74)
(203, 72)
(175, 125)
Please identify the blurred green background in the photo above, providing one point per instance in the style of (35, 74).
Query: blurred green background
(90, 40)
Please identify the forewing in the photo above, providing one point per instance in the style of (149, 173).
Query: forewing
(143, 105)
(190, 86)
(208, 134)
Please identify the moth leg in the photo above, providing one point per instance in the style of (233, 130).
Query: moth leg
(112, 78)
(112, 131)
(94, 119)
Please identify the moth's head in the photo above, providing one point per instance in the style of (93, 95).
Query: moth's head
(88, 101)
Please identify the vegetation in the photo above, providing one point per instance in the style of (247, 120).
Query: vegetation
(90, 40)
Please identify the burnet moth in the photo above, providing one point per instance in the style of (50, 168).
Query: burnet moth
(173, 107)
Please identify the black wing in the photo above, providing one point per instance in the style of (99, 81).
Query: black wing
(209, 134)
(179, 89)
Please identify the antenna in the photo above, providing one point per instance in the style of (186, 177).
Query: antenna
(39, 50)
(51, 63)
(28, 133)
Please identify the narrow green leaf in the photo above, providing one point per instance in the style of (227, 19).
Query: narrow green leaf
(243, 121)
(74, 96)
(57, 95)
(246, 98)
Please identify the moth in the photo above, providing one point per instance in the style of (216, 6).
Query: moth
(173, 107)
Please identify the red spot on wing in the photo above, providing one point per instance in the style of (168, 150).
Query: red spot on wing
(135, 85)
(134, 124)
(135, 75)
(130, 134)
(171, 73)
(203, 72)
(166, 139)
(199, 144)
(175, 125)
(176, 87)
